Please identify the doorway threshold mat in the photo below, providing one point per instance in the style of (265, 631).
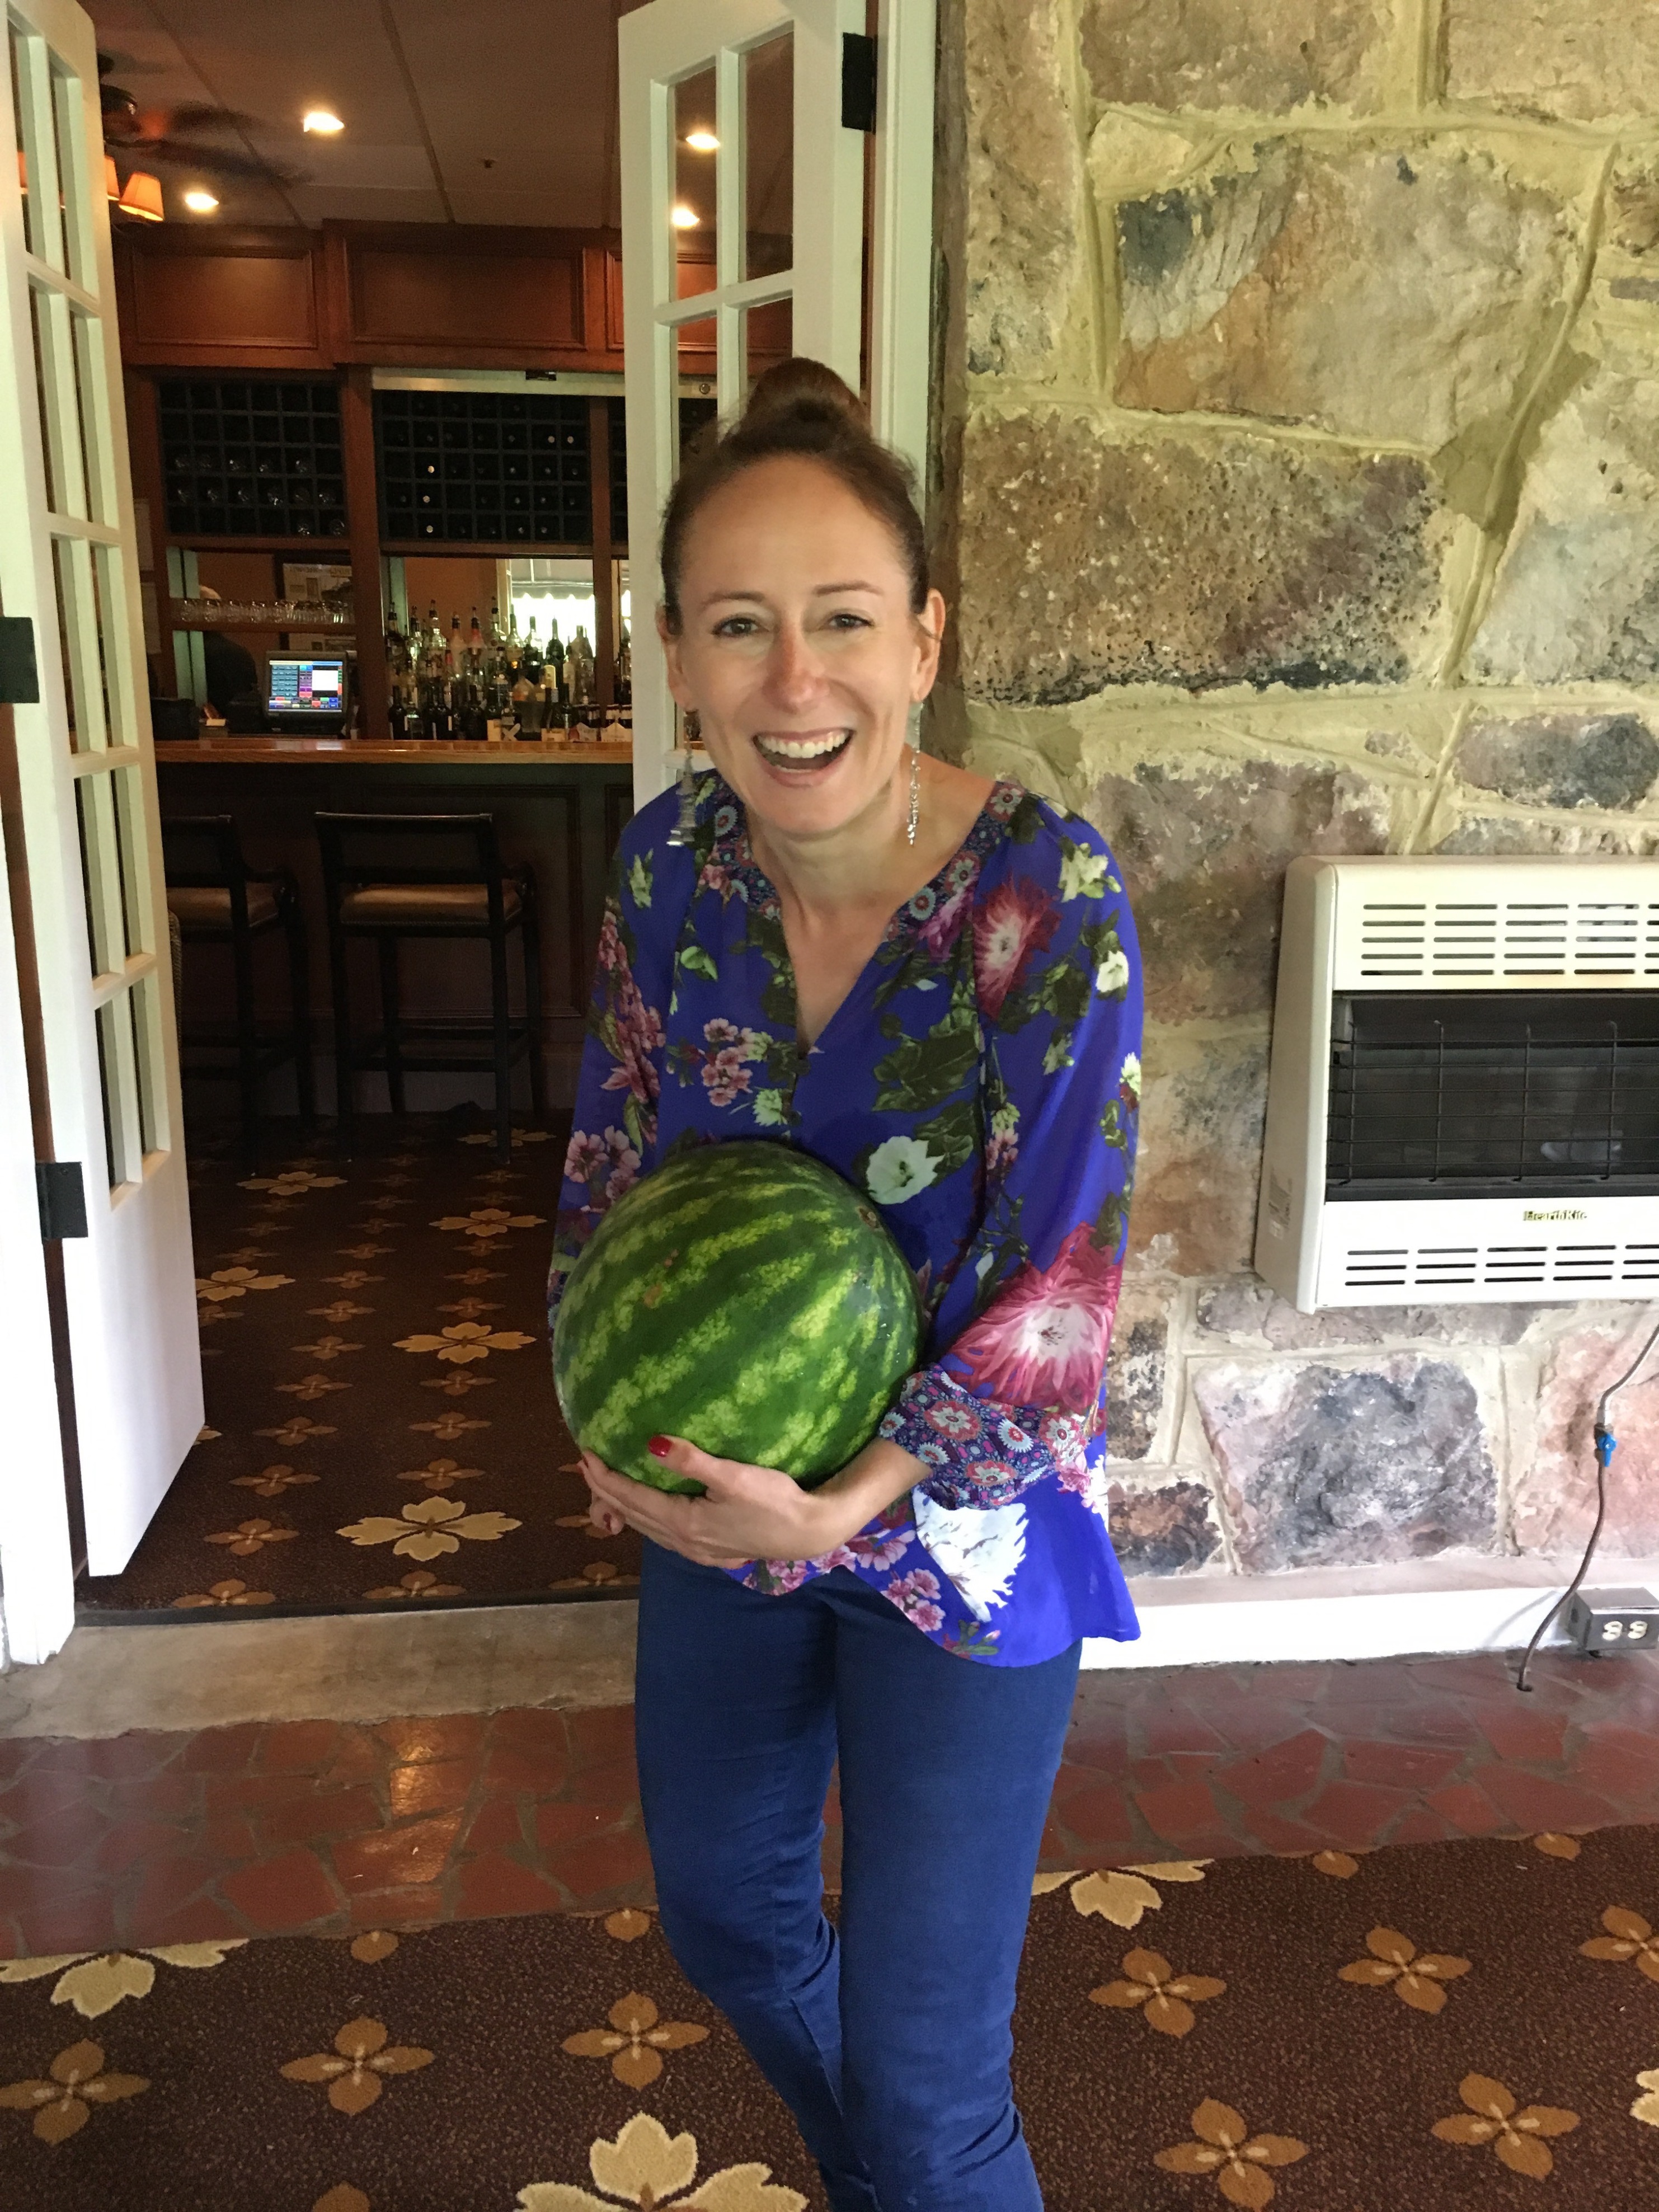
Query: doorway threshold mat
(381, 1427)
(1471, 2025)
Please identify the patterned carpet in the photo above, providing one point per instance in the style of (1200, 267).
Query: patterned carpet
(1445, 2026)
(381, 1424)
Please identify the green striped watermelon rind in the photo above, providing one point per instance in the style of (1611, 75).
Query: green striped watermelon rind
(785, 1217)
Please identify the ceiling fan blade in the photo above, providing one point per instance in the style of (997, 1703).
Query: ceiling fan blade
(213, 161)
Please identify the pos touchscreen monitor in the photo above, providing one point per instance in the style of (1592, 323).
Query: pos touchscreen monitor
(305, 691)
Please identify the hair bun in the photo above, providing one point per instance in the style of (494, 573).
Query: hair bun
(807, 390)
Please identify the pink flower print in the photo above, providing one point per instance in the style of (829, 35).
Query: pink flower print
(939, 932)
(717, 878)
(1016, 920)
(621, 1151)
(914, 1594)
(622, 1176)
(639, 1033)
(1042, 1341)
(953, 1420)
(779, 1576)
(1063, 1436)
(1001, 1152)
(720, 1031)
(1012, 1438)
(869, 1549)
(724, 1075)
(586, 1157)
(610, 952)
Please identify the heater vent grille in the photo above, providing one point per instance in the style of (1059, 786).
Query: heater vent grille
(1459, 937)
(1570, 1269)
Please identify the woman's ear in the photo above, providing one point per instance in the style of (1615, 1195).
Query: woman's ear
(930, 634)
(671, 646)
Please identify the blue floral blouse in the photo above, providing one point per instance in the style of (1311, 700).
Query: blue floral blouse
(980, 1081)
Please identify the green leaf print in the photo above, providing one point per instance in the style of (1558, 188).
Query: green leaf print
(638, 880)
(925, 1070)
(769, 1110)
(699, 961)
(953, 1136)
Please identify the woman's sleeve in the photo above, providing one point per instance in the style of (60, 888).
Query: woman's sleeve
(1019, 1389)
(613, 1131)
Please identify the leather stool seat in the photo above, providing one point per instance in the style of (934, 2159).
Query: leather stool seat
(207, 906)
(406, 906)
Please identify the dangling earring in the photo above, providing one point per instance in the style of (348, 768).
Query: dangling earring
(685, 827)
(913, 737)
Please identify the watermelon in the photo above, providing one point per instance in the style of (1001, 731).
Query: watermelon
(746, 1298)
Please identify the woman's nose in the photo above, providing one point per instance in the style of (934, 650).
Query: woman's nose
(794, 675)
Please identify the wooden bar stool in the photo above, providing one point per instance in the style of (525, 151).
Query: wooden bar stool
(387, 877)
(215, 898)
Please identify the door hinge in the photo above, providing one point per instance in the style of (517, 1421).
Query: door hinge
(19, 678)
(858, 81)
(63, 1197)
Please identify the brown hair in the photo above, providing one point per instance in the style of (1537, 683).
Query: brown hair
(802, 408)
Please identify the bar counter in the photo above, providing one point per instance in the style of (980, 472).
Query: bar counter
(558, 805)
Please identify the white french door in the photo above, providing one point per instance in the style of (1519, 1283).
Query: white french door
(742, 235)
(87, 773)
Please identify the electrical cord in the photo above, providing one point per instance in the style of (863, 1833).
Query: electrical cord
(1606, 1443)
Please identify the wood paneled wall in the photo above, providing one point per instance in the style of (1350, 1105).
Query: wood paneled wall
(411, 295)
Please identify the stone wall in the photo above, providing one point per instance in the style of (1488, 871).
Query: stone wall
(1296, 490)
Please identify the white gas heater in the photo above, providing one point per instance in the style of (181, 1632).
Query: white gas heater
(1464, 1096)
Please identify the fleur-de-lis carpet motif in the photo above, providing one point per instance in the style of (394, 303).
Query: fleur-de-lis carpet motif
(389, 1335)
(559, 2063)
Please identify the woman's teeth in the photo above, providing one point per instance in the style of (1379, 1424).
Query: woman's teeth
(804, 751)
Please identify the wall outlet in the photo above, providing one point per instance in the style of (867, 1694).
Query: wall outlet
(1605, 1620)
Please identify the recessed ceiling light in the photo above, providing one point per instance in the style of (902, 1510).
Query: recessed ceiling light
(683, 218)
(702, 141)
(199, 201)
(323, 120)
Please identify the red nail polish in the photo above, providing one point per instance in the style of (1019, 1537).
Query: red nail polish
(660, 1446)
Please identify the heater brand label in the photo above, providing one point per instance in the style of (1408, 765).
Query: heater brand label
(1553, 1213)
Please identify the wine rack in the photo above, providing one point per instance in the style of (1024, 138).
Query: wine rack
(483, 468)
(245, 459)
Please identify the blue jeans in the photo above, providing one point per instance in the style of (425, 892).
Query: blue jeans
(890, 2043)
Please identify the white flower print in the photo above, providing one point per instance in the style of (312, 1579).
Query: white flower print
(1129, 1076)
(1112, 973)
(898, 1170)
(978, 1547)
(1082, 874)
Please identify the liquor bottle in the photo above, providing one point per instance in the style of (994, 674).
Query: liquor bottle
(556, 662)
(579, 670)
(529, 654)
(476, 659)
(625, 670)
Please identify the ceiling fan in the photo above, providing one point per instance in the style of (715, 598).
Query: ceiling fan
(183, 136)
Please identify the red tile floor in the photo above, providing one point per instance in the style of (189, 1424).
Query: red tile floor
(319, 1826)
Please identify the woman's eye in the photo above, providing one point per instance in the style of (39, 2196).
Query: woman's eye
(736, 626)
(846, 620)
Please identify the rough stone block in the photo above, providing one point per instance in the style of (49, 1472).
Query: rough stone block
(1576, 597)
(1170, 1530)
(1324, 1465)
(1496, 834)
(1553, 1503)
(1578, 58)
(1608, 761)
(1203, 843)
(1087, 563)
(1199, 1159)
(1135, 1368)
(1393, 291)
(1237, 53)
(1024, 187)
(1246, 1309)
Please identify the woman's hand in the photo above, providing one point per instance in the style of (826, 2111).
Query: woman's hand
(748, 1512)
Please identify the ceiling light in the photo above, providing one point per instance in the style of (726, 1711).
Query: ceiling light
(702, 141)
(323, 120)
(200, 202)
(142, 198)
(682, 217)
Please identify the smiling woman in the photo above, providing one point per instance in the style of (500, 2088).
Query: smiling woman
(929, 981)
